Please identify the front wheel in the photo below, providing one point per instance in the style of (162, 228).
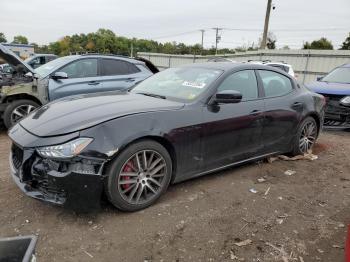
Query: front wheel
(17, 110)
(306, 137)
(138, 176)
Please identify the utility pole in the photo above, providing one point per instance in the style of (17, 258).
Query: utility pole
(217, 38)
(202, 30)
(132, 50)
(266, 25)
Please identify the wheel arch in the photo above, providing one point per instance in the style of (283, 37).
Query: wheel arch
(14, 97)
(317, 118)
(162, 141)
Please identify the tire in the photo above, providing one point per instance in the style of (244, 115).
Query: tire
(9, 114)
(129, 184)
(307, 129)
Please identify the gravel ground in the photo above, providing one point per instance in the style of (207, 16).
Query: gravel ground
(302, 217)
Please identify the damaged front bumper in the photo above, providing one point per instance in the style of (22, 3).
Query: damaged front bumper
(336, 114)
(75, 183)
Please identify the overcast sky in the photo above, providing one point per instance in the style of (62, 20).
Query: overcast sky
(44, 21)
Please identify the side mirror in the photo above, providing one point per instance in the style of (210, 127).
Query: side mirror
(228, 97)
(59, 75)
(319, 78)
(29, 74)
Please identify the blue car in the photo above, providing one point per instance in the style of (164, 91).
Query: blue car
(335, 87)
(28, 88)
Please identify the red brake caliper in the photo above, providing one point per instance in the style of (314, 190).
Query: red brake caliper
(127, 168)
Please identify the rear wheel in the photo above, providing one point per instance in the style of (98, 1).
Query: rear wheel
(138, 176)
(306, 136)
(17, 110)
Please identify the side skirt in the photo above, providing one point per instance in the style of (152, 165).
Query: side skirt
(252, 159)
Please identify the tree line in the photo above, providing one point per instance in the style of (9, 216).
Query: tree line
(106, 41)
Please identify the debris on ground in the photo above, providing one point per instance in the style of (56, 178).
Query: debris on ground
(267, 191)
(281, 251)
(244, 243)
(336, 246)
(307, 156)
(253, 190)
(261, 180)
(290, 172)
(87, 253)
(322, 204)
(279, 221)
(232, 255)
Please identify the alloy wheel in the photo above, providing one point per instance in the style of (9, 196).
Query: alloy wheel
(20, 112)
(142, 177)
(308, 137)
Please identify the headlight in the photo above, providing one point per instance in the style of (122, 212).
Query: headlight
(345, 101)
(66, 150)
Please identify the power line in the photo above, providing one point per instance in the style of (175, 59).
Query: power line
(174, 35)
(256, 30)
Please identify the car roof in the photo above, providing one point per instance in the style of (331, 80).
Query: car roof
(345, 65)
(36, 55)
(111, 56)
(277, 63)
(229, 66)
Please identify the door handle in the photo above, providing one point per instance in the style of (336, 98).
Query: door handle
(255, 112)
(297, 105)
(130, 80)
(93, 83)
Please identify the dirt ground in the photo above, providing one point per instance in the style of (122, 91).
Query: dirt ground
(302, 217)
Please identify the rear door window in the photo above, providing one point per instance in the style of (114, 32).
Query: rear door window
(112, 67)
(275, 84)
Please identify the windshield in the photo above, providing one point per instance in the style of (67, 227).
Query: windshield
(46, 69)
(338, 75)
(179, 83)
(28, 59)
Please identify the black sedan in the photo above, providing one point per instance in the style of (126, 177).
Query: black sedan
(178, 124)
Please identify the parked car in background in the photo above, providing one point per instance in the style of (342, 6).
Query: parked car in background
(178, 124)
(65, 76)
(221, 59)
(40, 59)
(335, 87)
(5, 72)
(281, 65)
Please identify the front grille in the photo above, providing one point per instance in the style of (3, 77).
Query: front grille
(335, 113)
(17, 156)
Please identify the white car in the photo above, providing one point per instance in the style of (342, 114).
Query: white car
(281, 65)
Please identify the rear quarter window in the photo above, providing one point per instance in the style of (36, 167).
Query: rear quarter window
(112, 67)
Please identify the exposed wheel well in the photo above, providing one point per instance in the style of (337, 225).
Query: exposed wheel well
(317, 119)
(11, 98)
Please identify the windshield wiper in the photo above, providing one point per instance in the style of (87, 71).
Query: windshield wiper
(152, 95)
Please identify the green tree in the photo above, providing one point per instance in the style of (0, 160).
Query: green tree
(271, 40)
(2, 38)
(106, 41)
(20, 39)
(322, 43)
(346, 44)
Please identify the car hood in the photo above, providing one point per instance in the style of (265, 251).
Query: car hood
(76, 113)
(329, 88)
(12, 59)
